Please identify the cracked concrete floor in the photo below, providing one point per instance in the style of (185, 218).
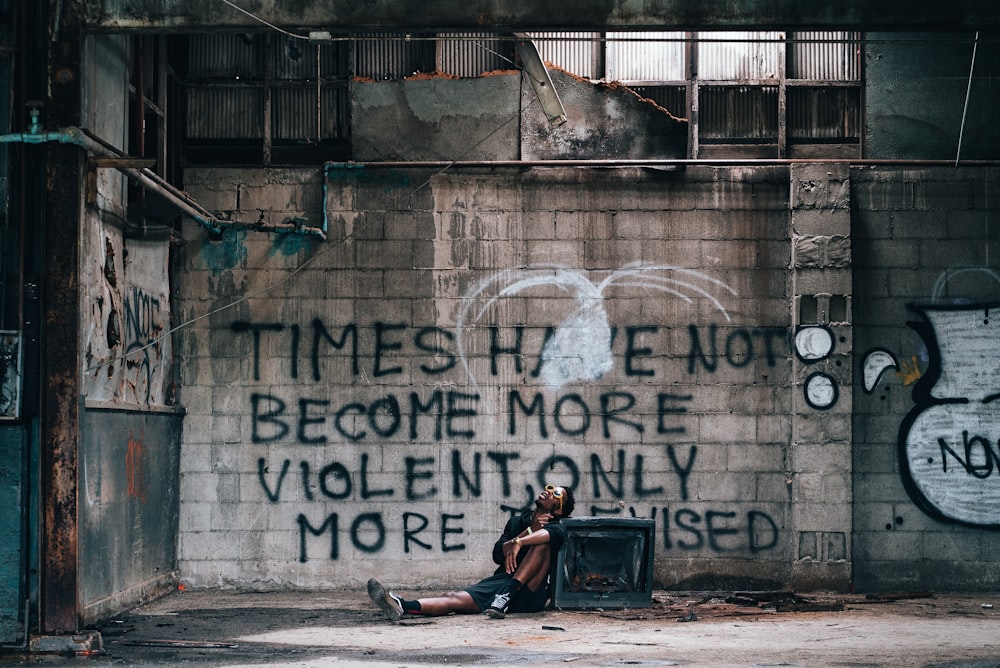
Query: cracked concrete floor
(215, 628)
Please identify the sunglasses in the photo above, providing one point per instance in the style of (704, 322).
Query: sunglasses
(556, 492)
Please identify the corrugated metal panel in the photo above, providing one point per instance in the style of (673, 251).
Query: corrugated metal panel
(576, 52)
(471, 54)
(225, 56)
(738, 55)
(738, 112)
(392, 56)
(296, 117)
(824, 56)
(225, 112)
(824, 113)
(293, 59)
(671, 98)
(645, 56)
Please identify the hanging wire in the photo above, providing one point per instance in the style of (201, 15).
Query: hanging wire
(968, 90)
(269, 25)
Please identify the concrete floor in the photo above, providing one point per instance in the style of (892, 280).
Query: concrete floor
(718, 629)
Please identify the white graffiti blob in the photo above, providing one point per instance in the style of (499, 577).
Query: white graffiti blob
(876, 363)
(580, 349)
(812, 344)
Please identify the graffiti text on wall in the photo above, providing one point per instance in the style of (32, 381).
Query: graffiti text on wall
(683, 527)
(949, 443)
(534, 380)
(439, 414)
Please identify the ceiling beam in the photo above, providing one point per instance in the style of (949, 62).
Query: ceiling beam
(510, 15)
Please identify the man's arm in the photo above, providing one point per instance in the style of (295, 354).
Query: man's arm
(514, 526)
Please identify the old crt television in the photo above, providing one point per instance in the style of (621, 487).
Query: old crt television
(606, 562)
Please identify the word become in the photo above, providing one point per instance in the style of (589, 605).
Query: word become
(452, 415)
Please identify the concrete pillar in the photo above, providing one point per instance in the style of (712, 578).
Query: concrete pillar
(819, 454)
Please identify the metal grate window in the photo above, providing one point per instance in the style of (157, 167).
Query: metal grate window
(276, 97)
(264, 98)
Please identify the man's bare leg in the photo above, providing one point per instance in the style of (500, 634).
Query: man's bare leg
(530, 574)
(454, 601)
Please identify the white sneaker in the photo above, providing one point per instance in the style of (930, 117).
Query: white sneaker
(390, 604)
(498, 608)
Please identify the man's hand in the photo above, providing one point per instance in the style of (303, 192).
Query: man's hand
(540, 521)
(510, 550)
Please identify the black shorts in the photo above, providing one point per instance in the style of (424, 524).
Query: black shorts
(526, 601)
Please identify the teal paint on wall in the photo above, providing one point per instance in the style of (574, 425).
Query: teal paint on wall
(11, 530)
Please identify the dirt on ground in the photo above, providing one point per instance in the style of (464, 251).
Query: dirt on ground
(312, 629)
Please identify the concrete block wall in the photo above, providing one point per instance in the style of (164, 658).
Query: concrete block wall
(377, 404)
(927, 279)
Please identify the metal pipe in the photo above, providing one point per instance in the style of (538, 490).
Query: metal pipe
(148, 180)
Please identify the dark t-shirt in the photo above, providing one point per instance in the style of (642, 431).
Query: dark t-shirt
(483, 591)
(515, 525)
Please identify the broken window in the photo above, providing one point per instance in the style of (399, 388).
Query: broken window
(267, 98)
(264, 99)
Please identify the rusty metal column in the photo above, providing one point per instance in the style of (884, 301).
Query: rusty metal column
(59, 576)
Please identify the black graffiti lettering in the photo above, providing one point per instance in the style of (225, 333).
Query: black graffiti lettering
(550, 333)
(609, 414)
(381, 346)
(458, 475)
(983, 470)
(262, 469)
(754, 520)
(305, 527)
(760, 529)
(454, 414)
(515, 351)
(739, 348)
(583, 414)
(305, 420)
(683, 471)
(276, 408)
(295, 351)
(711, 360)
(320, 334)
(664, 408)
(687, 521)
(340, 473)
(384, 417)
(548, 467)
(367, 493)
(445, 530)
(639, 488)
(739, 351)
(537, 405)
(457, 411)
(375, 520)
(338, 421)
(418, 408)
(631, 352)
(571, 415)
(598, 473)
(414, 474)
(306, 489)
(987, 456)
(714, 530)
(422, 343)
(240, 326)
(501, 459)
(409, 534)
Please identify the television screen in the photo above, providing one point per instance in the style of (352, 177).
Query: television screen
(605, 563)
